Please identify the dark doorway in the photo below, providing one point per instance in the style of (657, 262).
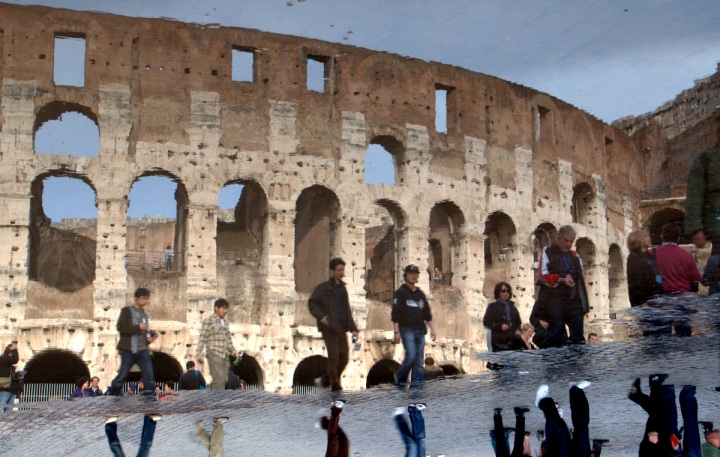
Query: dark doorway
(309, 369)
(165, 367)
(383, 372)
(55, 366)
(248, 369)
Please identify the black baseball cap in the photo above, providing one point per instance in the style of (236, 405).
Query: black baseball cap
(412, 268)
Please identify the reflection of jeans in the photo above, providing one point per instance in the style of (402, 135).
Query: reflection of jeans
(414, 344)
(575, 317)
(494, 442)
(127, 360)
(557, 435)
(146, 439)
(689, 409)
(580, 409)
(6, 398)
(662, 413)
(414, 440)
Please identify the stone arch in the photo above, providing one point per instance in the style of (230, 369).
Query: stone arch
(165, 368)
(386, 251)
(655, 223)
(618, 293)
(500, 240)
(55, 366)
(583, 204)
(446, 229)
(451, 369)
(382, 372)
(542, 237)
(147, 255)
(317, 236)
(396, 151)
(585, 248)
(249, 370)
(53, 111)
(587, 251)
(243, 232)
(309, 369)
(61, 258)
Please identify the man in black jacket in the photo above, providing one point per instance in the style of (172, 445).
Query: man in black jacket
(7, 360)
(192, 379)
(330, 305)
(410, 311)
(132, 325)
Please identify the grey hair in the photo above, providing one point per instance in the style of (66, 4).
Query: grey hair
(566, 230)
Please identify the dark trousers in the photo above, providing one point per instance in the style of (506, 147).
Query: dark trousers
(146, 439)
(337, 350)
(575, 320)
(556, 335)
(557, 435)
(127, 360)
(414, 439)
(580, 445)
(337, 445)
(501, 445)
(689, 409)
(662, 414)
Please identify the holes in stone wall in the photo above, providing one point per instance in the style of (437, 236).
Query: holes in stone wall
(317, 72)
(69, 59)
(67, 128)
(243, 64)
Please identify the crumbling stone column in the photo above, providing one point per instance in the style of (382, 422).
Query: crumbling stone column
(110, 273)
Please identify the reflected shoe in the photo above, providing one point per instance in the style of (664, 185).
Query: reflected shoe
(199, 426)
(717, 389)
(580, 384)
(221, 420)
(111, 419)
(559, 410)
(521, 411)
(598, 444)
(338, 404)
(418, 406)
(319, 382)
(635, 389)
(542, 392)
(399, 411)
(707, 426)
(155, 417)
(658, 379)
(498, 411)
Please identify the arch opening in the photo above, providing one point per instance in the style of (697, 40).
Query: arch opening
(309, 369)
(618, 293)
(542, 237)
(384, 160)
(55, 366)
(447, 223)
(500, 240)
(583, 204)
(165, 368)
(157, 243)
(450, 370)
(248, 370)
(317, 236)
(655, 224)
(66, 128)
(382, 372)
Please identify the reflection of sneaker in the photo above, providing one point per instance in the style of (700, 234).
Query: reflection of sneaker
(658, 378)
(419, 406)
(199, 426)
(521, 411)
(542, 392)
(111, 419)
(580, 384)
(221, 420)
(635, 389)
(338, 404)
(155, 417)
(400, 410)
(319, 381)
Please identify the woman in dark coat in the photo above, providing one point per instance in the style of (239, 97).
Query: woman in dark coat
(641, 270)
(502, 318)
(80, 386)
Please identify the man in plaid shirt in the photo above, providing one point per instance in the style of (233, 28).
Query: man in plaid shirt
(215, 338)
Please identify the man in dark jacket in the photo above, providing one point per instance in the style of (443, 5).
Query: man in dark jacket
(702, 203)
(330, 305)
(7, 360)
(538, 316)
(410, 311)
(562, 270)
(192, 379)
(94, 390)
(132, 325)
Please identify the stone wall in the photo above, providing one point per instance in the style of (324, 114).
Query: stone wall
(162, 95)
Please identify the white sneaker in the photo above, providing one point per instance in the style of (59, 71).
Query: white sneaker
(400, 410)
(580, 384)
(542, 392)
(338, 404)
(111, 419)
(419, 406)
(560, 411)
(318, 381)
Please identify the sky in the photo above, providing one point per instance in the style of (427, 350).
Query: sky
(610, 58)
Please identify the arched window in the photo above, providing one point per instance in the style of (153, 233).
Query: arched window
(63, 232)
(499, 242)
(446, 223)
(249, 371)
(55, 366)
(665, 216)
(386, 249)
(583, 204)
(157, 217)
(165, 368)
(383, 372)
(309, 369)
(67, 128)
(379, 167)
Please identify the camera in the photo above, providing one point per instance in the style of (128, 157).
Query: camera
(152, 334)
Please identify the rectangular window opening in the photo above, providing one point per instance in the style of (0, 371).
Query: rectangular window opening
(543, 121)
(441, 110)
(317, 72)
(69, 59)
(243, 64)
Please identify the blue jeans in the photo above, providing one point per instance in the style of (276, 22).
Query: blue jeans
(127, 360)
(146, 439)
(6, 398)
(689, 409)
(414, 440)
(414, 344)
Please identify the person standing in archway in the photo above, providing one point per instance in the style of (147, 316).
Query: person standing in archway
(133, 324)
(330, 305)
(410, 311)
(215, 338)
(562, 269)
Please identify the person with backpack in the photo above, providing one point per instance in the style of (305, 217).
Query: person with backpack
(192, 379)
(642, 273)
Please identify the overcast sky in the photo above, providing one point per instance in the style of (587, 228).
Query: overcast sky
(610, 58)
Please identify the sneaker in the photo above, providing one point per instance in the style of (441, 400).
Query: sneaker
(542, 392)
(419, 406)
(635, 389)
(658, 378)
(400, 410)
(111, 419)
(707, 426)
(319, 381)
(580, 384)
(338, 404)
(221, 420)
(155, 417)
(560, 411)
(498, 411)
(521, 411)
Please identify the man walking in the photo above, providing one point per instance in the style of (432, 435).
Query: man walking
(410, 311)
(215, 338)
(133, 324)
(702, 204)
(192, 379)
(330, 305)
(562, 269)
